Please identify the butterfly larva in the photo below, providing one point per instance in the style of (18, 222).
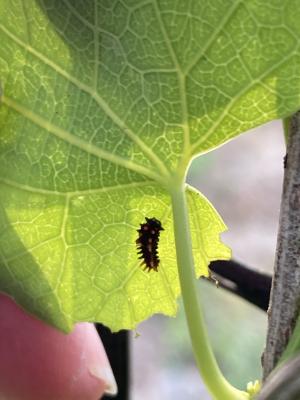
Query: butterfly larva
(147, 243)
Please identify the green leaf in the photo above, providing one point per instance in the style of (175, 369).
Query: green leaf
(103, 106)
(73, 256)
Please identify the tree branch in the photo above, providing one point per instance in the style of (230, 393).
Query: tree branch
(285, 293)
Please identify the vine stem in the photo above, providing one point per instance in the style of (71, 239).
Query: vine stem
(216, 383)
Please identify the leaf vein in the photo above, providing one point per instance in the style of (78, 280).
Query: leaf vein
(32, 189)
(148, 152)
(79, 143)
(181, 82)
(229, 106)
(215, 34)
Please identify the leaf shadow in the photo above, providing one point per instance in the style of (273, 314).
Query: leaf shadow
(22, 277)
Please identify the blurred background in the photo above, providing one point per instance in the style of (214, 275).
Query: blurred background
(243, 180)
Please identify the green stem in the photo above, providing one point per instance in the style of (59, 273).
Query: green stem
(216, 383)
(286, 128)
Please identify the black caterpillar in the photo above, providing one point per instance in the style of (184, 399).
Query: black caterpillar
(147, 243)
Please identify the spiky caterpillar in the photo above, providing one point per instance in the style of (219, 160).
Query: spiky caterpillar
(147, 243)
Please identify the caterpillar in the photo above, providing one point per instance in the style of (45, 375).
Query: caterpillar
(147, 243)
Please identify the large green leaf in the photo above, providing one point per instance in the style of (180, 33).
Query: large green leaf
(103, 102)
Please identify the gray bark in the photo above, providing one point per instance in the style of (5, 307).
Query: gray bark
(283, 384)
(285, 293)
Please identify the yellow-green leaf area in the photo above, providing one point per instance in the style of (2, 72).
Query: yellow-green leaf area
(78, 251)
(103, 105)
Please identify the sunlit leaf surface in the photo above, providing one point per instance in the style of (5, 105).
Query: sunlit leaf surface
(101, 102)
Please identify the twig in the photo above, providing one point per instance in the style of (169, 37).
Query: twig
(283, 383)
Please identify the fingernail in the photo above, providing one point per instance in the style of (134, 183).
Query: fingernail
(107, 376)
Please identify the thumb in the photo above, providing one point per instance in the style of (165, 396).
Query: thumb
(38, 362)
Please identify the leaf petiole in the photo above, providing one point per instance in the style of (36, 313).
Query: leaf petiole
(213, 378)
